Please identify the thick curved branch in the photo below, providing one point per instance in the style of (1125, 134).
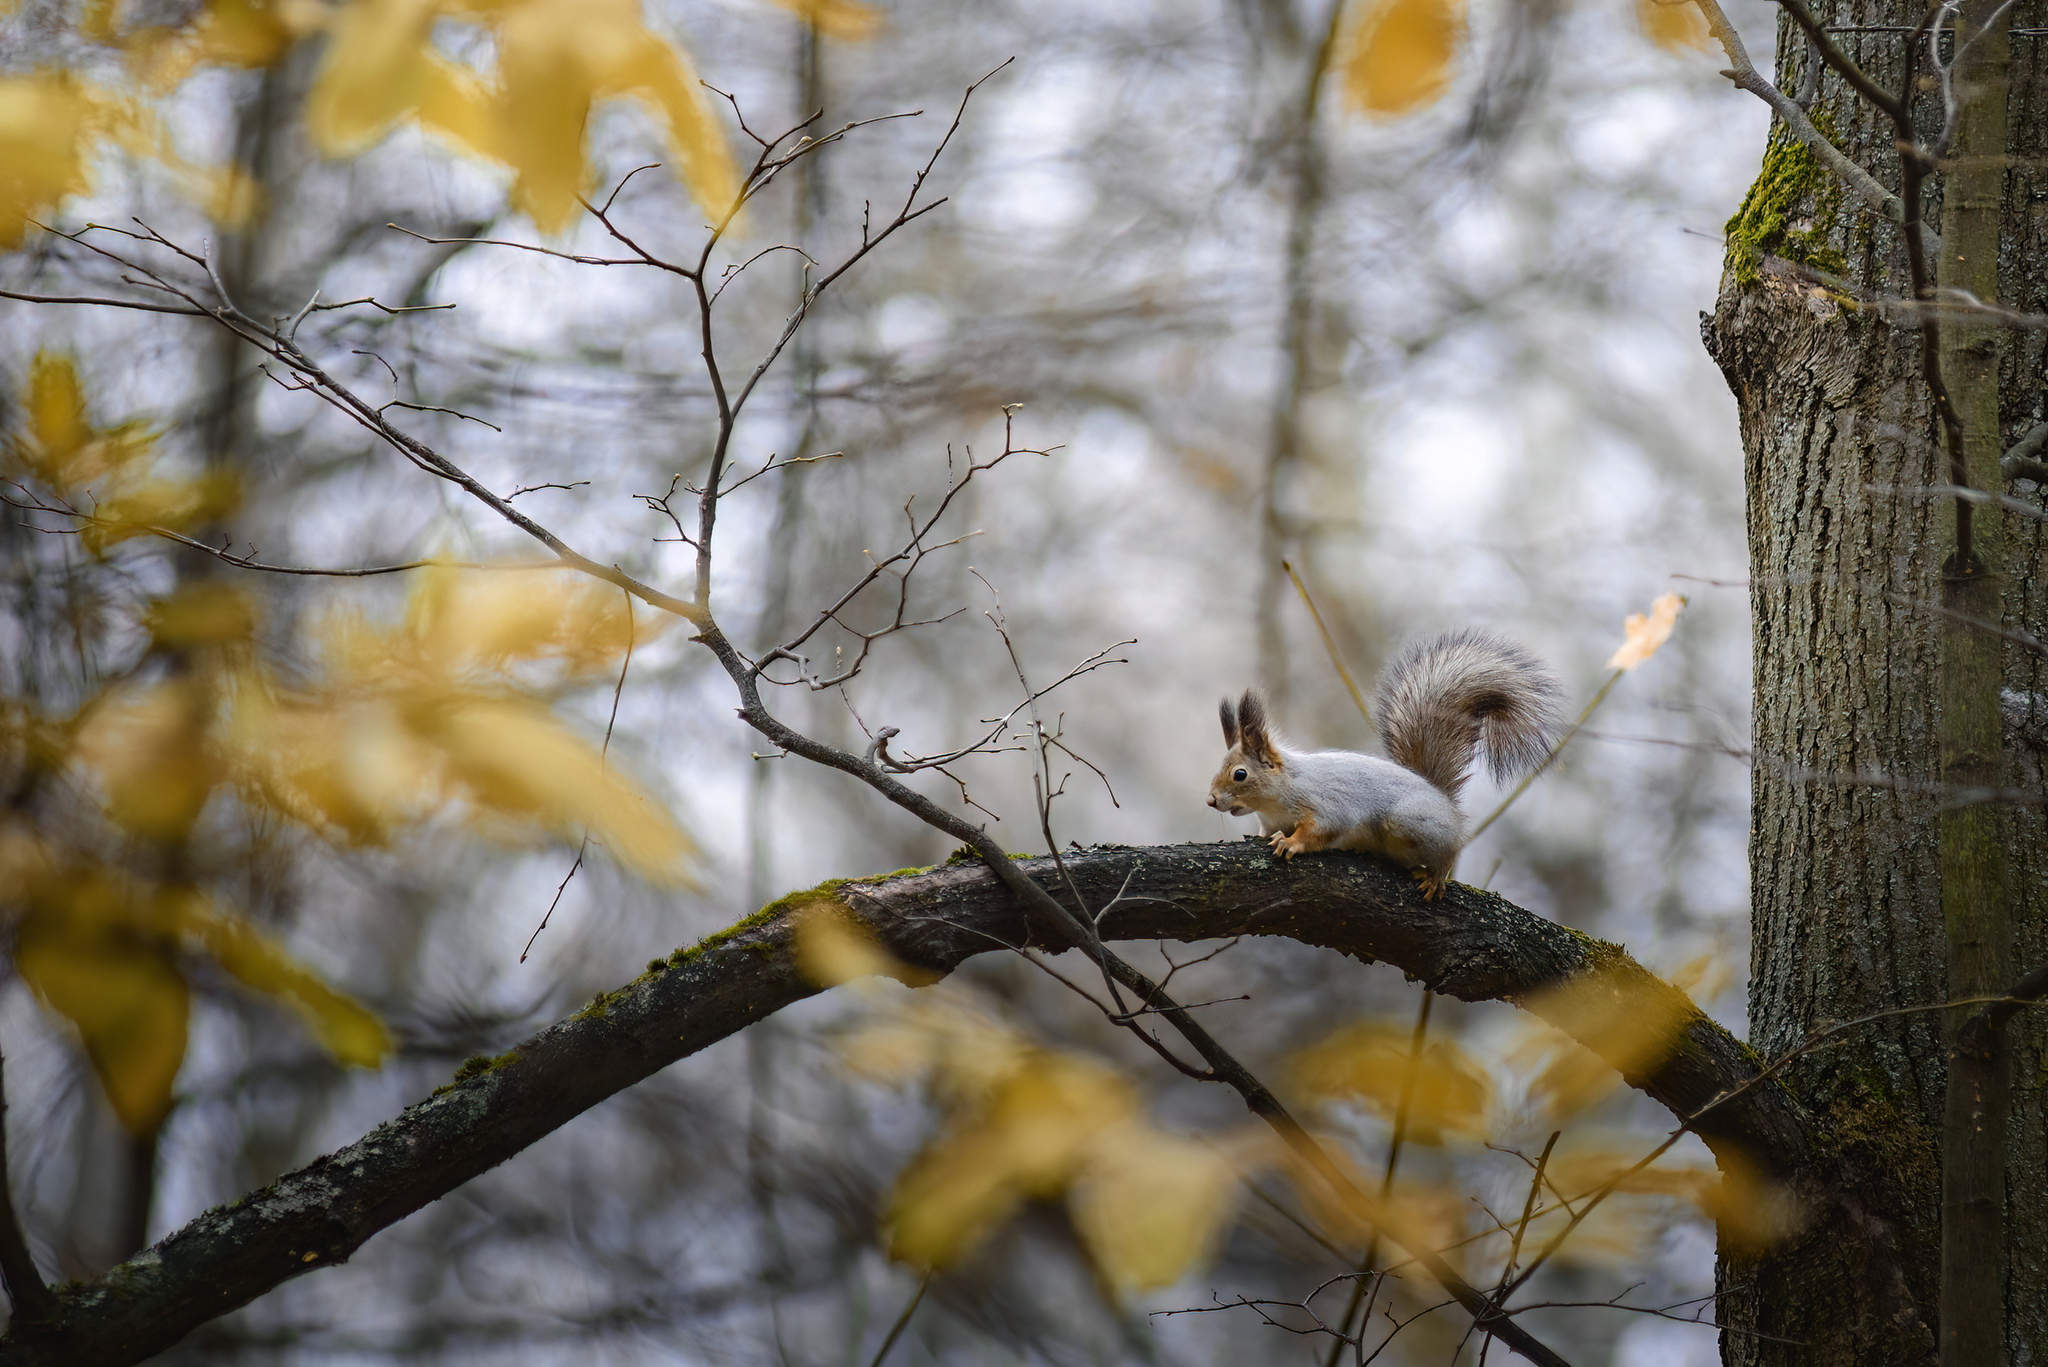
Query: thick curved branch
(1471, 945)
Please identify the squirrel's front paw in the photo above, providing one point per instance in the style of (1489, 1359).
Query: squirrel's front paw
(1286, 845)
(1432, 884)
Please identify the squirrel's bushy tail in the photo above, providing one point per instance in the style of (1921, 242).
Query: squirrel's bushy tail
(1444, 696)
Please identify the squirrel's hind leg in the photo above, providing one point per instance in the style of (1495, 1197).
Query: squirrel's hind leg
(1432, 883)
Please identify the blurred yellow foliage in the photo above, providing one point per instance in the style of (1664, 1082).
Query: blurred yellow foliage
(1026, 1138)
(1150, 1204)
(421, 717)
(105, 951)
(1674, 25)
(1370, 1062)
(1400, 53)
(834, 947)
(149, 747)
(836, 18)
(102, 952)
(205, 613)
(1600, 1027)
(1026, 1123)
(1415, 1216)
(104, 473)
(46, 123)
(555, 60)
(347, 1031)
(1749, 1211)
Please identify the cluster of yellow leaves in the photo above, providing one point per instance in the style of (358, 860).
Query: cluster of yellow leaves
(408, 721)
(107, 474)
(1398, 54)
(441, 711)
(106, 952)
(1446, 1092)
(1751, 1212)
(1602, 1027)
(52, 123)
(554, 61)
(1023, 1123)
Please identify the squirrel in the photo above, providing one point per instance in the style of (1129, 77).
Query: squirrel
(1436, 703)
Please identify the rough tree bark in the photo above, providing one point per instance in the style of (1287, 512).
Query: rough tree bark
(1846, 561)
(1471, 945)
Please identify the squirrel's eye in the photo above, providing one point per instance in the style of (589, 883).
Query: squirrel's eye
(1239, 776)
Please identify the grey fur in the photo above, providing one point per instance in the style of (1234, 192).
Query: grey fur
(1438, 703)
(1444, 697)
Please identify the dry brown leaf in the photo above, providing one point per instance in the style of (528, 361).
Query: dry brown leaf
(1645, 634)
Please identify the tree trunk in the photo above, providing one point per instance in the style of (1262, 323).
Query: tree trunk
(1841, 438)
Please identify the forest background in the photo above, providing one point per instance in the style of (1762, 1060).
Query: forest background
(1461, 352)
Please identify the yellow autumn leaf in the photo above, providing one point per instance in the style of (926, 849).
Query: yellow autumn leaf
(1631, 1023)
(836, 18)
(1750, 1212)
(206, 613)
(46, 125)
(1704, 977)
(1369, 1062)
(1415, 1217)
(555, 60)
(344, 1028)
(1674, 25)
(175, 505)
(104, 956)
(461, 617)
(148, 746)
(350, 769)
(833, 946)
(1026, 1140)
(1149, 1205)
(373, 73)
(964, 1055)
(58, 444)
(514, 758)
(1645, 634)
(1400, 54)
(1565, 1077)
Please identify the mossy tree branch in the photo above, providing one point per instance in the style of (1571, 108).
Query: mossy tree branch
(1471, 945)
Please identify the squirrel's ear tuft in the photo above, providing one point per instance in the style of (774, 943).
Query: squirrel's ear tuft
(1229, 715)
(1252, 735)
